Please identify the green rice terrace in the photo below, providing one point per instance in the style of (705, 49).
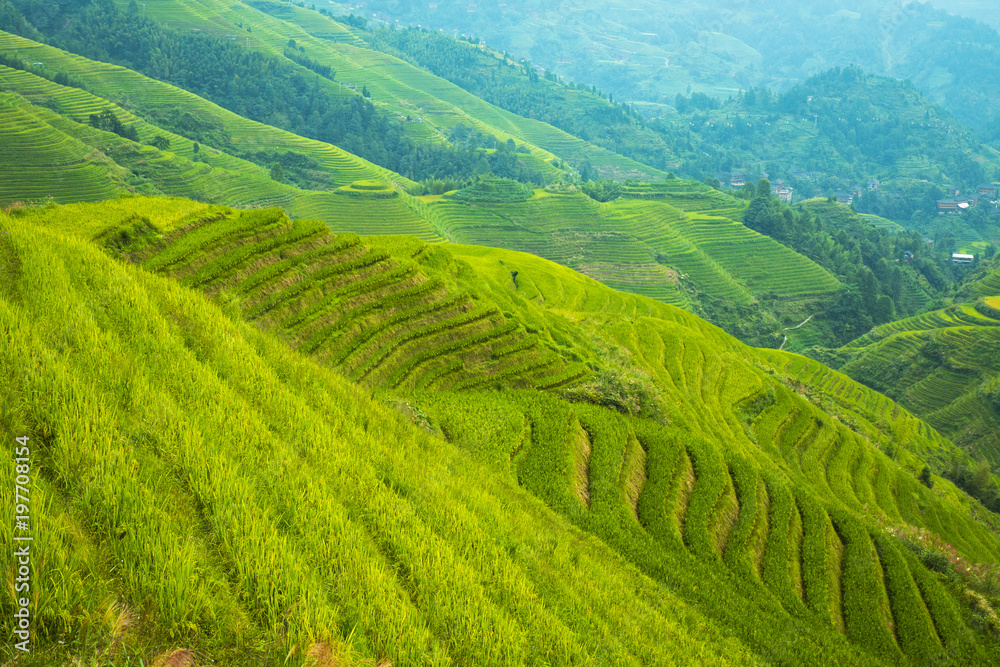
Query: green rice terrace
(943, 366)
(255, 441)
(393, 83)
(152, 99)
(675, 240)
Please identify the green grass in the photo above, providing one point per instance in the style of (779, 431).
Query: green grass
(597, 475)
(941, 365)
(654, 248)
(395, 84)
(155, 525)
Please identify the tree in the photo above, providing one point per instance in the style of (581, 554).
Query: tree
(982, 480)
(277, 172)
(763, 188)
(885, 310)
(867, 285)
(364, 93)
(108, 121)
(160, 142)
(926, 479)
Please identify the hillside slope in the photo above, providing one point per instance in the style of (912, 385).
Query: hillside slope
(756, 486)
(674, 241)
(342, 532)
(941, 365)
(650, 51)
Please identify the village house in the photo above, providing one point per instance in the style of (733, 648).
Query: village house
(989, 191)
(873, 184)
(947, 206)
(783, 190)
(959, 258)
(845, 198)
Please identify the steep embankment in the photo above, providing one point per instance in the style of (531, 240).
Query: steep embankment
(759, 486)
(943, 366)
(197, 483)
(675, 241)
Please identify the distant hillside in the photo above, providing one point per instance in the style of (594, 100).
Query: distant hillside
(673, 242)
(837, 130)
(941, 365)
(690, 492)
(649, 52)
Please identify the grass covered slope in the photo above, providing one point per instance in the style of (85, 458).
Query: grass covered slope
(198, 484)
(48, 123)
(943, 366)
(674, 241)
(757, 486)
(394, 83)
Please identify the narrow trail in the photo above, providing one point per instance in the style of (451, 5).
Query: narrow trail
(802, 323)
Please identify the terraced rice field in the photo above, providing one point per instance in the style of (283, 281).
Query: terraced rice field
(881, 223)
(961, 315)
(38, 160)
(642, 246)
(150, 96)
(755, 486)
(742, 520)
(942, 366)
(208, 488)
(81, 163)
(363, 215)
(377, 320)
(989, 285)
(398, 86)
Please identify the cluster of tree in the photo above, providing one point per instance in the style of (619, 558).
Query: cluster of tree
(977, 480)
(298, 55)
(56, 76)
(517, 87)
(161, 142)
(602, 190)
(864, 126)
(290, 167)
(697, 101)
(247, 82)
(877, 267)
(109, 122)
(491, 155)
